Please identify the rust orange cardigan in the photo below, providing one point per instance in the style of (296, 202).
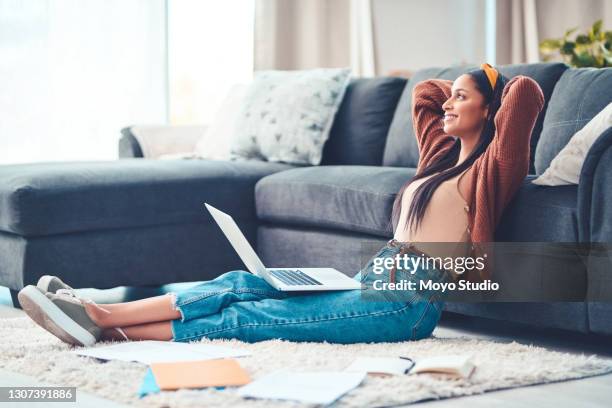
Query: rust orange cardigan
(498, 173)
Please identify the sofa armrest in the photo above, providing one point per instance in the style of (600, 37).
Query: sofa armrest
(595, 228)
(128, 145)
(151, 142)
(595, 192)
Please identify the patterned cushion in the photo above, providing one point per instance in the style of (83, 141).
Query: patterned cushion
(287, 115)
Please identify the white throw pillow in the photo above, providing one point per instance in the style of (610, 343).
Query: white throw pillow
(566, 166)
(215, 143)
(287, 115)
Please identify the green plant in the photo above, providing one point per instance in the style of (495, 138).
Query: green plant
(592, 49)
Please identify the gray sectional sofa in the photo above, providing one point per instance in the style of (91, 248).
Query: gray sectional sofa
(139, 222)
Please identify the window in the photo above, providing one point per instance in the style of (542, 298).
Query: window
(74, 72)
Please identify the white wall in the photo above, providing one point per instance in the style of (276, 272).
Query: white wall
(415, 34)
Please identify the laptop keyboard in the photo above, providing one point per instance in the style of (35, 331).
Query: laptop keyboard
(293, 277)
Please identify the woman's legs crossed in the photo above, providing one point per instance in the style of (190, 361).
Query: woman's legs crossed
(150, 318)
(241, 305)
(154, 309)
(337, 317)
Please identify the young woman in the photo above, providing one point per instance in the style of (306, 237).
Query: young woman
(473, 137)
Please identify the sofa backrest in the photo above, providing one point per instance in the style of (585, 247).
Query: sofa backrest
(402, 150)
(362, 122)
(580, 94)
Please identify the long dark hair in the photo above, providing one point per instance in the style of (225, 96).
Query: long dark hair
(446, 165)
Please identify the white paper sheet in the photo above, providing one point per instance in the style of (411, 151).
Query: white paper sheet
(311, 387)
(151, 351)
(385, 365)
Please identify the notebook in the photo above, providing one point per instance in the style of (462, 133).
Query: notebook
(452, 365)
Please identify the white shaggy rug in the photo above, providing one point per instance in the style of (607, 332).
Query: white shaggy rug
(25, 348)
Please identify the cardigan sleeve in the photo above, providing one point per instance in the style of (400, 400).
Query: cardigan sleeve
(507, 156)
(427, 116)
(521, 103)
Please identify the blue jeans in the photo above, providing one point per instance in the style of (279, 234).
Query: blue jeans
(243, 306)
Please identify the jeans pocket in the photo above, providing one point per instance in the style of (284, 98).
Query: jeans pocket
(368, 270)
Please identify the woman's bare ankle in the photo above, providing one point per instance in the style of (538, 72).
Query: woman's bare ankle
(97, 315)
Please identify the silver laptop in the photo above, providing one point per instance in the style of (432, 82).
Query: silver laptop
(285, 279)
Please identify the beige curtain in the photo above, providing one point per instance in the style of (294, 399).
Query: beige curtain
(517, 32)
(298, 34)
(522, 24)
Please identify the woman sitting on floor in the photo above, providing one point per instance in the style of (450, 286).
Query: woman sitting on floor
(473, 136)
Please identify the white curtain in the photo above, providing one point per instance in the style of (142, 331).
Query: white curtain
(363, 62)
(74, 72)
(210, 48)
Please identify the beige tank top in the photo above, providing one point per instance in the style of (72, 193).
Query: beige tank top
(444, 229)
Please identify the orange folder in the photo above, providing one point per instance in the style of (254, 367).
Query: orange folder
(199, 374)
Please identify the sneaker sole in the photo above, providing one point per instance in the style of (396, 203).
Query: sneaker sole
(51, 318)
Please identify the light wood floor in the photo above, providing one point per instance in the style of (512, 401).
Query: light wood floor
(586, 393)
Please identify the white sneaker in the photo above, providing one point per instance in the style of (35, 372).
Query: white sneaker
(62, 314)
(49, 283)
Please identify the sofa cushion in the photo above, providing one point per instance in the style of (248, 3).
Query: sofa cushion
(566, 167)
(52, 198)
(402, 149)
(580, 94)
(360, 199)
(362, 122)
(540, 214)
(288, 246)
(349, 198)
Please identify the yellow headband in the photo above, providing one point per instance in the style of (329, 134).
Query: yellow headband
(491, 73)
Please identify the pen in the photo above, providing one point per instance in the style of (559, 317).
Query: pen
(411, 364)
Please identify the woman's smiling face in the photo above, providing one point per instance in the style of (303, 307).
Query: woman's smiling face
(465, 111)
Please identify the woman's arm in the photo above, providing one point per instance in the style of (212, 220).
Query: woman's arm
(522, 101)
(507, 157)
(427, 117)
